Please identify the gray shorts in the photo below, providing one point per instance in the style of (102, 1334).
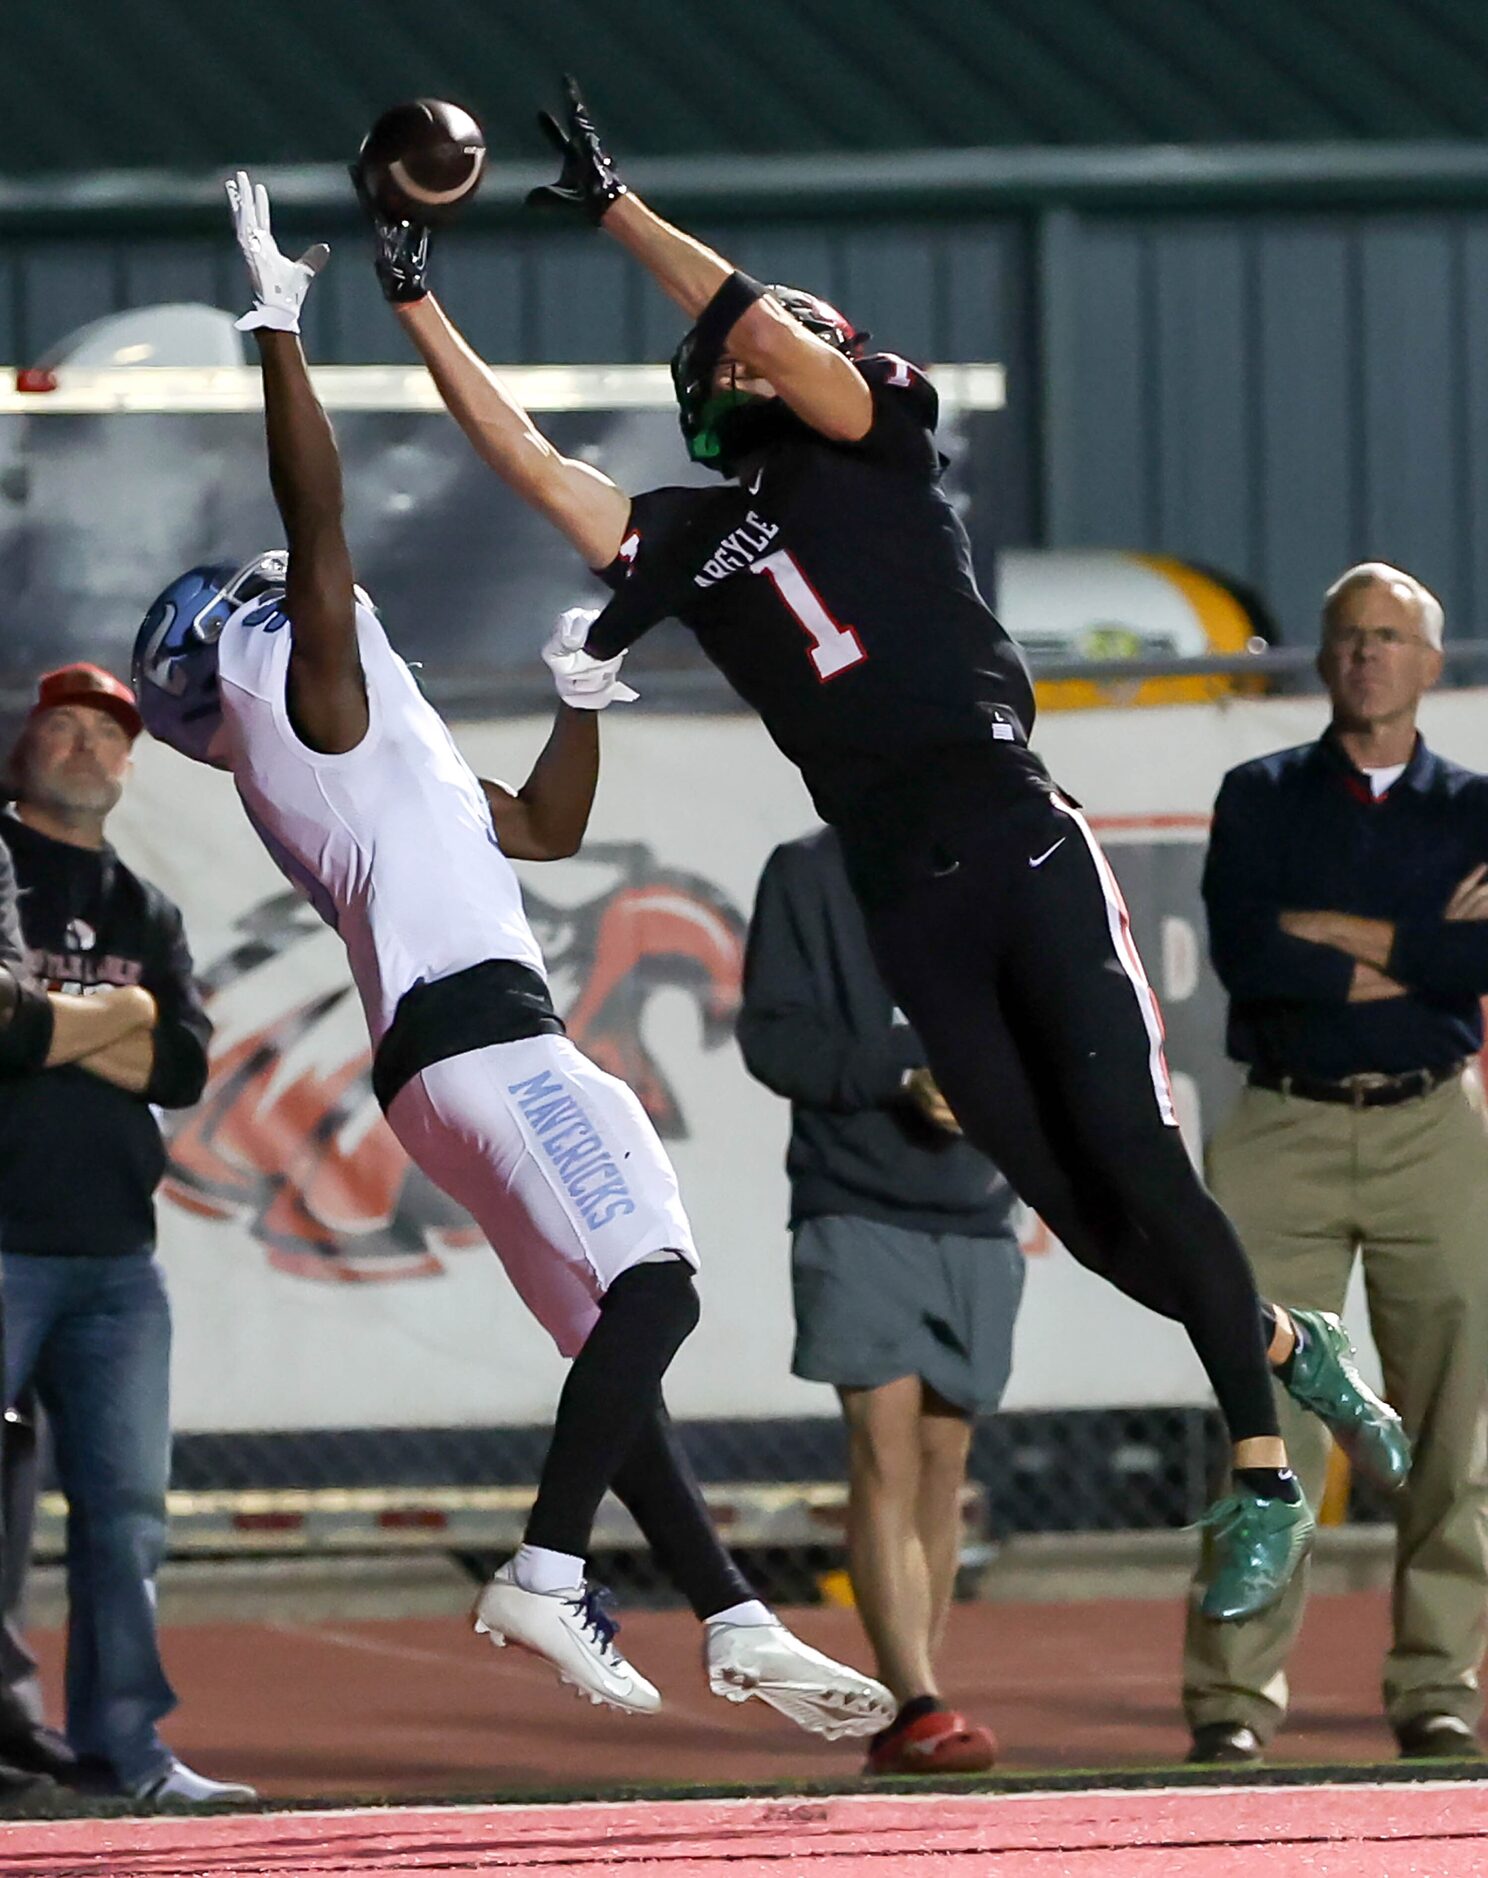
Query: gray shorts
(876, 1302)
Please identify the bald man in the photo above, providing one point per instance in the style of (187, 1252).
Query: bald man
(1347, 892)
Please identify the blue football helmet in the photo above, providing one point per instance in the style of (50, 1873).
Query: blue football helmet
(175, 653)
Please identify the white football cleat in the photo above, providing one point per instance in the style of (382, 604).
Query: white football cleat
(572, 1631)
(179, 1785)
(767, 1661)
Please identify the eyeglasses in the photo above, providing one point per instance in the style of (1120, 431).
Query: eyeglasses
(1356, 638)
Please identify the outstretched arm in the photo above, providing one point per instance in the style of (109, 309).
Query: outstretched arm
(824, 388)
(327, 694)
(576, 498)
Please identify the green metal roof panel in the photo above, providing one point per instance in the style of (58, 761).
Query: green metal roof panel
(181, 84)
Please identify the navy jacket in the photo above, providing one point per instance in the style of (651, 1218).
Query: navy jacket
(818, 1025)
(1300, 830)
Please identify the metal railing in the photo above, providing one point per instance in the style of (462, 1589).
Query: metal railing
(1459, 656)
(827, 183)
(697, 687)
(508, 691)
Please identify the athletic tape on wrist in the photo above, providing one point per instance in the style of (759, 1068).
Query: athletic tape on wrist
(722, 313)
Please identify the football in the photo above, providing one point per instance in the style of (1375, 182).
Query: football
(422, 161)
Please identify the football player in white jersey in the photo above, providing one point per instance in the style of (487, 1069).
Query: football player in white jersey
(280, 672)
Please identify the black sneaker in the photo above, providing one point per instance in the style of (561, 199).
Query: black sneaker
(18, 1786)
(1438, 1738)
(34, 1748)
(1229, 1744)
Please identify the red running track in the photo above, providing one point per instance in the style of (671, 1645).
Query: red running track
(1341, 1832)
(411, 1711)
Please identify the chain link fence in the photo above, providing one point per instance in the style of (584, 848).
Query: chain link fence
(777, 1489)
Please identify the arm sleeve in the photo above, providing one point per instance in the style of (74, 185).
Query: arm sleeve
(906, 410)
(183, 1031)
(1256, 961)
(651, 576)
(1444, 958)
(12, 945)
(790, 1042)
(25, 1010)
(26, 1023)
(1447, 958)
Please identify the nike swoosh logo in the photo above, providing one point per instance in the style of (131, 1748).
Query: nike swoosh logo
(754, 487)
(1038, 860)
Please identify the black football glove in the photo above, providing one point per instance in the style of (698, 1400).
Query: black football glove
(587, 183)
(400, 249)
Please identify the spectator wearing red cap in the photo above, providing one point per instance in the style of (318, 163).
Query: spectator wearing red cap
(87, 1320)
(26, 1027)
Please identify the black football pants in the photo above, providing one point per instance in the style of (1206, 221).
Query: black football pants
(1010, 954)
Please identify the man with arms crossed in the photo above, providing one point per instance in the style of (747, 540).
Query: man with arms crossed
(1348, 919)
(282, 674)
(87, 1311)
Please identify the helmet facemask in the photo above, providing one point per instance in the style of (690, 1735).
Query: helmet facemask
(175, 653)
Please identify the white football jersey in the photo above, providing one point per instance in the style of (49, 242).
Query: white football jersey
(392, 842)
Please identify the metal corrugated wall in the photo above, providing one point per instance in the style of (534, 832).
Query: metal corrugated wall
(946, 291)
(1272, 393)
(98, 83)
(1275, 395)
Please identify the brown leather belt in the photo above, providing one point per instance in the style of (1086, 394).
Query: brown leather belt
(1371, 1089)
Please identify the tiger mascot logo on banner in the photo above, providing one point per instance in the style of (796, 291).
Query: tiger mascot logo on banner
(288, 1137)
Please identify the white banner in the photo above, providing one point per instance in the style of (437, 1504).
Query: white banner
(319, 1283)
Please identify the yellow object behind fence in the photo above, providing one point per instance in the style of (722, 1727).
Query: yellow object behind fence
(1333, 1510)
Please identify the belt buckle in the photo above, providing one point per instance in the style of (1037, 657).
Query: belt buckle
(1364, 1084)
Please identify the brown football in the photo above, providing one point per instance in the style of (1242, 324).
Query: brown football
(422, 161)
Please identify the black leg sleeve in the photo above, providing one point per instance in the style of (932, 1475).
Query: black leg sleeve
(658, 1488)
(611, 1391)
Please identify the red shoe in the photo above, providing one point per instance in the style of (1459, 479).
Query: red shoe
(942, 1742)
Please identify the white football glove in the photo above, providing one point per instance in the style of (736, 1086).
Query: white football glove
(279, 284)
(584, 683)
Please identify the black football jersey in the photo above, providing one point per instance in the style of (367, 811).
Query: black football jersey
(832, 586)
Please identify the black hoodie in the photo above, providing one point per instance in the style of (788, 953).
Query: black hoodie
(818, 1026)
(80, 1158)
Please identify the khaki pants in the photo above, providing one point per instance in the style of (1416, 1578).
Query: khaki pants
(1309, 1185)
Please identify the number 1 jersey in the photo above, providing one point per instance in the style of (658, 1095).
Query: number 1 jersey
(832, 586)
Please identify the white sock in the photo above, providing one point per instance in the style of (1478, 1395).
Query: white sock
(751, 1611)
(535, 1568)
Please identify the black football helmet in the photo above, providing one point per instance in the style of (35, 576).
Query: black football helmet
(721, 427)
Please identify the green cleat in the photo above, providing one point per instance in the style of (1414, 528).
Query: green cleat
(1257, 1545)
(1324, 1378)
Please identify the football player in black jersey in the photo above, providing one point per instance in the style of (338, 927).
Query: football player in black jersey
(829, 578)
